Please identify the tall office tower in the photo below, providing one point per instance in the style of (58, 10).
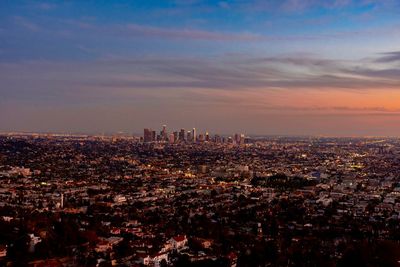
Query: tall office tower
(171, 138)
(153, 136)
(207, 137)
(236, 138)
(194, 135)
(164, 135)
(201, 137)
(175, 136)
(147, 135)
(241, 142)
(189, 136)
(182, 135)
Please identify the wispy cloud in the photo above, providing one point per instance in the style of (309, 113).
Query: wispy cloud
(297, 6)
(389, 57)
(25, 23)
(291, 6)
(228, 73)
(45, 6)
(136, 29)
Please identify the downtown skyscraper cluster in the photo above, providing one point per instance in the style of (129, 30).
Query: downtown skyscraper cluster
(191, 136)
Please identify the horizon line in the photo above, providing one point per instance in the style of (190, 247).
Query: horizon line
(133, 134)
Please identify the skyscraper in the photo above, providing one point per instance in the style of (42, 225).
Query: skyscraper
(147, 135)
(194, 135)
(182, 135)
(241, 142)
(171, 138)
(236, 138)
(201, 138)
(164, 135)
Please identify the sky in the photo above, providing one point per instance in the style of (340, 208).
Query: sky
(273, 67)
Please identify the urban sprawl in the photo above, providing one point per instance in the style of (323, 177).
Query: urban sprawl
(191, 199)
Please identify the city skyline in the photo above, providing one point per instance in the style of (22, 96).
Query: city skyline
(262, 67)
(189, 136)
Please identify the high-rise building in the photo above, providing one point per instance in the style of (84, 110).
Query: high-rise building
(164, 134)
(172, 138)
(194, 135)
(236, 138)
(175, 134)
(201, 138)
(241, 141)
(189, 136)
(182, 135)
(147, 135)
(207, 137)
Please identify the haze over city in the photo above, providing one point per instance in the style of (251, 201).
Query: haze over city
(262, 67)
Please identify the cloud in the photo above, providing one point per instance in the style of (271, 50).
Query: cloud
(389, 57)
(294, 7)
(290, 6)
(85, 49)
(228, 73)
(243, 87)
(25, 23)
(187, 2)
(133, 30)
(384, 74)
(271, 5)
(45, 6)
(223, 4)
(309, 61)
(136, 29)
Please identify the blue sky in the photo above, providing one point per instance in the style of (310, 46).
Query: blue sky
(84, 30)
(301, 66)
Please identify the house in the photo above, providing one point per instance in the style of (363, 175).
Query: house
(154, 260)
(3, 251)
(232, 257)
(179, 242)
(107, 244)
(103, 246)
(34, 240)
(206, 243)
